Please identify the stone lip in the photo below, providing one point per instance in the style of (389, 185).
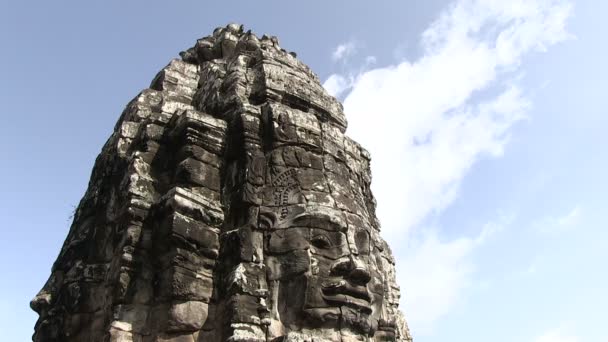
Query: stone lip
(227, 205)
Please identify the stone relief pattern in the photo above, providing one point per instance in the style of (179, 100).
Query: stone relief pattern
(228, 205)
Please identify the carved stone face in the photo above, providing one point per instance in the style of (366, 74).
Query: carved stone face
(326, 270)
(238, 210)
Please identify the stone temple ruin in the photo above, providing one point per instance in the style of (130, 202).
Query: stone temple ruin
(228, 205)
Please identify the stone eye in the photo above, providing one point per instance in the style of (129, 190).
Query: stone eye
(321, 241)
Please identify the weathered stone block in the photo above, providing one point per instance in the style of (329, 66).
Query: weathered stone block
(187, 316)
(196, 172)
(199, 153)
(180, 283)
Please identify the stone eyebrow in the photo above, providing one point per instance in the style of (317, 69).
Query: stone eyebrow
(320, 220)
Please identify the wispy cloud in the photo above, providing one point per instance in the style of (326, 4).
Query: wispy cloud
(435, 272)
(571, 218)
(556, 336)
(344, 50)
(560, 223)
(532, 269)
(426, 122)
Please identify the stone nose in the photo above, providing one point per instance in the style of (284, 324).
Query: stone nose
(352, 269)
(41, 302)
(359, 274)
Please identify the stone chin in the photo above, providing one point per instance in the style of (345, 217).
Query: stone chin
(343, 316)
(341, 303)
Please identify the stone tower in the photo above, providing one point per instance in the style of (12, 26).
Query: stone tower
(228, 205)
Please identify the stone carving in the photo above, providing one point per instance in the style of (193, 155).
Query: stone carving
(228, 205)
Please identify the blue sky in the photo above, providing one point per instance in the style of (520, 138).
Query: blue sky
(485, 119)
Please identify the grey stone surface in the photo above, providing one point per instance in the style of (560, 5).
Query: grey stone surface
(228, 205)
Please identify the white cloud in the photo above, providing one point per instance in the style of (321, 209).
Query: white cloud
(556, 336)
(337, 84)
(344, 50)
(426, 123)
